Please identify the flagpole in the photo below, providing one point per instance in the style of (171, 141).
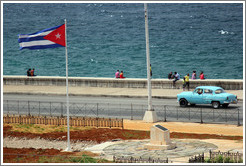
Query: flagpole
(68, 132)
(148, 57)
(150, 114)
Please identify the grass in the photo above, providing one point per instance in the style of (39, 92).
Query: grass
(65, 159)
(40, 129)
(133, 134)
(221, 159)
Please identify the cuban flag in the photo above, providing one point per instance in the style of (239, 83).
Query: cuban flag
(48, 38)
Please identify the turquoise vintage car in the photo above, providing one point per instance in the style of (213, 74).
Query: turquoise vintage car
(207, 95)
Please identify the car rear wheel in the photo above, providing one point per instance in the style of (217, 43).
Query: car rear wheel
(183, 103)
(216, 104)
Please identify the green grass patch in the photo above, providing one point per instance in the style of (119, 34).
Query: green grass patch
(65, 159)
(135, 134)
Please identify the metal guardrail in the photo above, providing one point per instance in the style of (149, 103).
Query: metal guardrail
(126, 111)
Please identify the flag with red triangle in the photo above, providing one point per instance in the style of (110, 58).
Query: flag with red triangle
(47, 38)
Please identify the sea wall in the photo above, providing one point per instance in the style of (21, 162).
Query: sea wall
(227, 84)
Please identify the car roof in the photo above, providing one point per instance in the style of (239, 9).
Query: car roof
(209, 87)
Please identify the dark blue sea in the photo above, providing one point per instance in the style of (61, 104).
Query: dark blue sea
(104, 37)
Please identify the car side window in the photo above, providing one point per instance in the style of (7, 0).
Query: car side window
(218, 91)
(208, 91)
(199, 91)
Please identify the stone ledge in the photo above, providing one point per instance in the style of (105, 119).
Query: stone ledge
(227, 84)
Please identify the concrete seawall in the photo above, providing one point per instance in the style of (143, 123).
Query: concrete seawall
(227, 84)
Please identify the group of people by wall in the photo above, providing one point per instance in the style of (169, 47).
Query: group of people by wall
(30, 72)
(119, 74)
(175, 77)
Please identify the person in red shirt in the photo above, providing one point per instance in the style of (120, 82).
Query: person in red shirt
(32, 72)
(121, 75)
(202, 76)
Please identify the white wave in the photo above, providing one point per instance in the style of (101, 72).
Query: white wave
(222, 32)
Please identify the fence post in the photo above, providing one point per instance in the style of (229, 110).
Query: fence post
(225, 116)
(97, 109)
(108, 109)
(61, 109)
(18, 107)
(28, 105)
(131, 112)
(7, 106)
(177, 113)
(189, 113)
(201, 116)
(213, 115)
(238, 121)
(39, 108)
(50, 108)
(165, 111)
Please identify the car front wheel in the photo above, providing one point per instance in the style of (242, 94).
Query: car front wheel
(183, 103)
(216, 104)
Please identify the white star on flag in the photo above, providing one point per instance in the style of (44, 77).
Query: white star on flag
(58, 36)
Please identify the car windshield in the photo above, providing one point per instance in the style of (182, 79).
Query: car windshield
(218, 91)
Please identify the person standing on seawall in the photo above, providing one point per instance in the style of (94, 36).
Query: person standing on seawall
(186, 82)
(117, 74)
(150, 71)
(193, 77)
(202, 76)
(121, 75)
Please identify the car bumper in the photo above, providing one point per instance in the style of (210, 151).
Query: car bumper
(231, 102)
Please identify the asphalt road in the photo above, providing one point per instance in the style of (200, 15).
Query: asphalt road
(127, 108)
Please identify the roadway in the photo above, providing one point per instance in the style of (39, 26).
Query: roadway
(119, 107)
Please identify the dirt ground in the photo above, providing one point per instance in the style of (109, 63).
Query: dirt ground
(98, 135)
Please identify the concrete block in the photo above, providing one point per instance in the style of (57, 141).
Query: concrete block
(150, 117)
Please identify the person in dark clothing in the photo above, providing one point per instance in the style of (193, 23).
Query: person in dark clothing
(28, 72)
(170, 76)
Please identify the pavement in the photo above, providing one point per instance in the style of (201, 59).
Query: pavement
(99, 91)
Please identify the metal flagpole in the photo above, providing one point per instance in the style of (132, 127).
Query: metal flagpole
(68, 132)
(148, 57)
(150, 114)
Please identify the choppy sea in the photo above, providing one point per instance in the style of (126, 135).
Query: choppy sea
(104, 37)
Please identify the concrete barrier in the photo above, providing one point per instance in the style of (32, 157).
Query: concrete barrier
(227, 84)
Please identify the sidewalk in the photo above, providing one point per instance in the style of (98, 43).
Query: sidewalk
(186, 127)
(98, 91)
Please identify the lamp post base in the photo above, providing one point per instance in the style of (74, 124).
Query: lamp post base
(150, 116)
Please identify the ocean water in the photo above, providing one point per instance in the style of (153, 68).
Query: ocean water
(104, 37)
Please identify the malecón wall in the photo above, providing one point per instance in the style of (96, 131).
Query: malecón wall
(227, 84)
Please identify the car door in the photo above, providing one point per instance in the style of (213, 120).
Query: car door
(207, 96)
(197, 96)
